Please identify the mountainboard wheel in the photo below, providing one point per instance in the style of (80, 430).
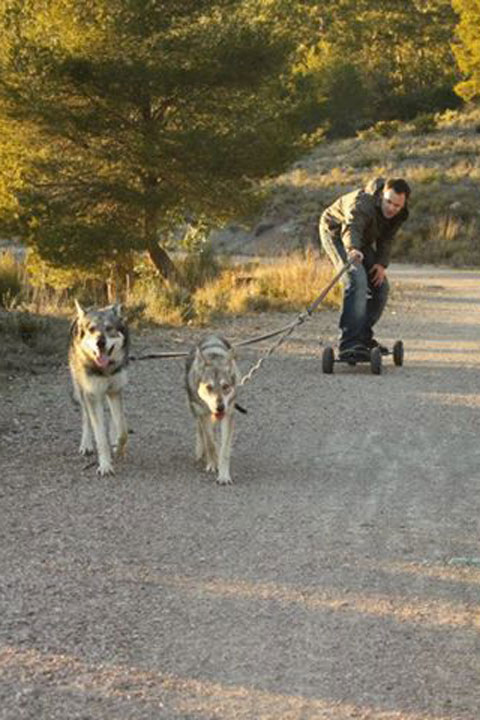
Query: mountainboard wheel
(328, 360)
(398, 353)
(376, 361)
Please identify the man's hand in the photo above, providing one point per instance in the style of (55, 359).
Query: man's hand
(355, 256)
(377, 274)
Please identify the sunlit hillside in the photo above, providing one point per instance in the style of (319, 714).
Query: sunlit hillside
(438, 155)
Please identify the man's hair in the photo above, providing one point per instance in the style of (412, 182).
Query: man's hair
(399, 185)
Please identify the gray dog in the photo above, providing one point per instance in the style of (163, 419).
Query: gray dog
(212, 377)
(97, 358)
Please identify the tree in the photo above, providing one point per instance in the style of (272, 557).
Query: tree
(333, 92)
(467, 47)
(378, 61)
(149, 110)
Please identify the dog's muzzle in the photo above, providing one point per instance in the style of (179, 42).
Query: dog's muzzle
(102, 359)
(220, 411)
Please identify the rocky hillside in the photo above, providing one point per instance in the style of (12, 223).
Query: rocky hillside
(438, 155)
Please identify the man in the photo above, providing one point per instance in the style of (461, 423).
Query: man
(360, 227)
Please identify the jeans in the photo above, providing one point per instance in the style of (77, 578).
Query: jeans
(363, 303)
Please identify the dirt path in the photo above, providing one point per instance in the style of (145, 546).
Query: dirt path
(338, 578)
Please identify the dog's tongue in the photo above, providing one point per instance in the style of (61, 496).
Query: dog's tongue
(102, 360)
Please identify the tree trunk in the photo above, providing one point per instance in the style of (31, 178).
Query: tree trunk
(158, 255)
(162, 260)
(119, 280)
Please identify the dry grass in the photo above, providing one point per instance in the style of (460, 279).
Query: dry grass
(290, 284)
(34, 319)
(447, 239)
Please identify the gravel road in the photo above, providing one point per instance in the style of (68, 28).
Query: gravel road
(339, 577)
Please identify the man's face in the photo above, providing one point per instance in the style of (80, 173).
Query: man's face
(392, 203)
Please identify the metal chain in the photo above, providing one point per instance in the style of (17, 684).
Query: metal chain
(246, 378)
(289, 329)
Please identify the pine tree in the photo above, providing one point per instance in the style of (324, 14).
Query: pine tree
(149, 110)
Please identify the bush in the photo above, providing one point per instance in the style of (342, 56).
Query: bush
(381, 129)
(11, 279)
(424, 123)
(154, 300)
(198, 268)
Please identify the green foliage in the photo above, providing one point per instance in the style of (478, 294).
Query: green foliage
(333, 92)
(149, 111)
(379, 61)
(120, 119)
(467, 47)
(53, 284)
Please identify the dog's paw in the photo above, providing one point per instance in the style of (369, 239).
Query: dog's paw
(86, 449)
(121, 446)
(224, 479)
(105, 468)
(211, 462)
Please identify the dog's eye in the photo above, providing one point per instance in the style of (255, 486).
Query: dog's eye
(225, 387)
(209, 387)
(108, 328)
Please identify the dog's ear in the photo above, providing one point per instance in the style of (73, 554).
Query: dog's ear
(79, 309)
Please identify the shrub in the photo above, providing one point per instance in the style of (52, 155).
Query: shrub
(11, 279)
(365, 161)
(155, 300)
(424, 123)
(198, 267)
(381, 129)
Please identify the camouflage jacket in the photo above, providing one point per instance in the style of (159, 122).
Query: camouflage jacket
(358, 218)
